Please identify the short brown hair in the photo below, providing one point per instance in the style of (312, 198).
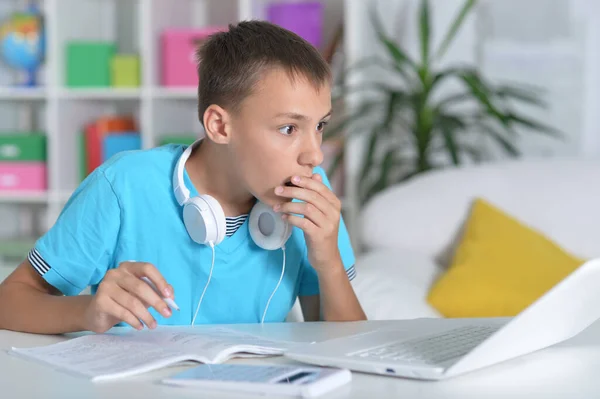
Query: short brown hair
(230, 63)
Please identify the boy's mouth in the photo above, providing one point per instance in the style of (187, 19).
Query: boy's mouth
(289, 184)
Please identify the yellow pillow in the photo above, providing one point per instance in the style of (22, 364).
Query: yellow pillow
(500, 267)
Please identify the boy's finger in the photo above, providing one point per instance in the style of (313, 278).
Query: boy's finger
(145, 293)
(316, 183)
(305, 209)
(306, 195)
(310, 183)
(150, 271)
(125, 315)
(304, 224)
(134, 306)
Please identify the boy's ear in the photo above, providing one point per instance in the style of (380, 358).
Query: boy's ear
(217, 124)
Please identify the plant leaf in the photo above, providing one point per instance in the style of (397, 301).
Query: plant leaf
(370, 155)
(364, 110)
(383, 181)
(397, 54)
(451, 146)
(501, 140)
(466, 8)
(395, 98)
(481, 93)
(538, 127)
(453, 99)
(372, 61)
(336, 163)
(508, 92)
(475, 153)
(449, 126)
(424, 31)
(438, 77)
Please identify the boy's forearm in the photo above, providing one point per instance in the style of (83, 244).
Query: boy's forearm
(338, 300)
(23, 308)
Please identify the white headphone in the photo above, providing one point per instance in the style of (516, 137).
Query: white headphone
(205, 222)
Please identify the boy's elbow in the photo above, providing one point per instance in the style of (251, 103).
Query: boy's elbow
(15, 291)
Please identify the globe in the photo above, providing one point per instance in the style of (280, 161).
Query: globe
(23, 42)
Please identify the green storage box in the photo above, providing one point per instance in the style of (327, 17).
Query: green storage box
(186, 139)
(88, 63)
(23, 146)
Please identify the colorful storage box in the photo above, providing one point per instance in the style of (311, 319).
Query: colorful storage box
(95, 133)
(23, 176)
(123, 141)
(23, 146)
(178, 55)
(305, 18)
(88, 63)
(125, 70)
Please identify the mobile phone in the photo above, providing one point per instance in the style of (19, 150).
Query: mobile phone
(296, 381)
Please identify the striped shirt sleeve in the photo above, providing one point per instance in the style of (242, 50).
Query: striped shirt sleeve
(351, 272)
(38, 263)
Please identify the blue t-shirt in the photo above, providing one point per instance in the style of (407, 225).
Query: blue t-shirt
(126, 210)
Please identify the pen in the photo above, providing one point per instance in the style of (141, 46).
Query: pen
(169, 301)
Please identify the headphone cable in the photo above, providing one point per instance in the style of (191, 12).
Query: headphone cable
(212, 245)
(274, 291)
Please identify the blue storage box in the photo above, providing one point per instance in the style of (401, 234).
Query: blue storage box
(122, 141)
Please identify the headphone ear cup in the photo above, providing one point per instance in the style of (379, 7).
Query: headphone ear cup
(267, 229)
(204, 220)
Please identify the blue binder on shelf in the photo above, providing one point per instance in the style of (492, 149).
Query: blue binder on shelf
(123, 141)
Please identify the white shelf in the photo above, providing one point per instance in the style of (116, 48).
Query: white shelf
(26, 197)
(100, 94)
(17, 197)
(183, 93)
(175, 93)
(22, 93)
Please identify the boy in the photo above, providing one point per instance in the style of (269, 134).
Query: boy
(264, 99)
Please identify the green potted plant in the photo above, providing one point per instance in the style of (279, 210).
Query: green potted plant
(420, 128)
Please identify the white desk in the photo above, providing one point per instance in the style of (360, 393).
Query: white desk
(568, 370)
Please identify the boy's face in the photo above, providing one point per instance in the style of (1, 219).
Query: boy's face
(277, 132)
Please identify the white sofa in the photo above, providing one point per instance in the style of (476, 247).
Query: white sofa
(409, 229)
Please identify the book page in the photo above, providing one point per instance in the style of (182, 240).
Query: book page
(213, 345)
(103, 356)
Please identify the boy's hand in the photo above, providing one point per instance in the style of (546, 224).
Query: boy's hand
(321, 220)
(124, 296)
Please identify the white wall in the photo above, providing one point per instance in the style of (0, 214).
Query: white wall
(547, 43)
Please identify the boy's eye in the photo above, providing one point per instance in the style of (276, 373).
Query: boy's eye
(322, 125)
(287, 130)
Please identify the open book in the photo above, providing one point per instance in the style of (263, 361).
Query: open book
(110, 356)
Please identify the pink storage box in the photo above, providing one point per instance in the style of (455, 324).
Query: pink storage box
(178, 55)
(23, 176)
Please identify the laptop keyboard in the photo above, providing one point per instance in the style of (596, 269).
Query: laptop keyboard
(431, 349)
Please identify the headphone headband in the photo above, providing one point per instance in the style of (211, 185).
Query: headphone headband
(182, 193)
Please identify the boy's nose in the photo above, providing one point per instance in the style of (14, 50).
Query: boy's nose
(312, 155)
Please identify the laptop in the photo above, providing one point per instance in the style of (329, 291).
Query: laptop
(457, 346)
